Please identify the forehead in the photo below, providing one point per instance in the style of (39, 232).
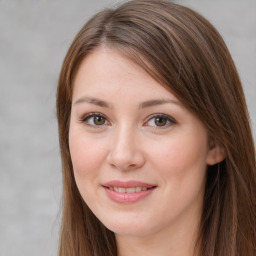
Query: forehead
(106, 71)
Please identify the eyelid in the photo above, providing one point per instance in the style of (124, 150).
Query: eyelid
(170, 119)
(90, 115)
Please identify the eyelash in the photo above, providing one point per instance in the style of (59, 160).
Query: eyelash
(169, 120)
(87, 117)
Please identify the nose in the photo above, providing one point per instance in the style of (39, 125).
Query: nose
(125, 150)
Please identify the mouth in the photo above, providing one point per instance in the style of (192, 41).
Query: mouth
(128, 192)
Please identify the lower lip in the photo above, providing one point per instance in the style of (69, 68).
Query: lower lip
(128, 197)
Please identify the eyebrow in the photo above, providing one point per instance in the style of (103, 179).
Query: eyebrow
(151, 103)
(104, 104)
(93, 101)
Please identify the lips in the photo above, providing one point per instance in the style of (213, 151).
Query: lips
(127, 192)
(128, 186)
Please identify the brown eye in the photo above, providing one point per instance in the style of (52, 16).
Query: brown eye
(94, 120)
(160, 121)
(99, 120)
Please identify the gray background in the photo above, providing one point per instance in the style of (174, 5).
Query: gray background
(34, 37)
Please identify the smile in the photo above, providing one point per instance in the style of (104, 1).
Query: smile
(127, 192)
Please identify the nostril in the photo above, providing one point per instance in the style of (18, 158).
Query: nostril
(125, 155)
(125, 165)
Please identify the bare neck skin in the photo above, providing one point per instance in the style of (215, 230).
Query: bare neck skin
(178, 240)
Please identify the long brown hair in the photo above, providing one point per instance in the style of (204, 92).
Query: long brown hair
(183, 52)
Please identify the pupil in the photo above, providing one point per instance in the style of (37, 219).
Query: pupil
(99, 120)
(160, 121)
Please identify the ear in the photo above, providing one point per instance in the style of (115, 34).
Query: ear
(216, 153)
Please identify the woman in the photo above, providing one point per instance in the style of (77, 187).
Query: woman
(157, 152)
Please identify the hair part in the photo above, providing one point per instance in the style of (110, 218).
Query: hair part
(183, 52)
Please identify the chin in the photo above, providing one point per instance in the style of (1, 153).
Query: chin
(128, 228)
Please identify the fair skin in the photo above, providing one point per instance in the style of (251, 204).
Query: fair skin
(129, 132)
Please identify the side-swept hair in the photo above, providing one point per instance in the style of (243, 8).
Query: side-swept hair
(184, 53)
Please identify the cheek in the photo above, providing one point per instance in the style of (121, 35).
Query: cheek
(181, 155)
(181, 168)
(86, 155)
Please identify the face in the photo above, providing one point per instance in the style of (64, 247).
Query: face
(139, 156)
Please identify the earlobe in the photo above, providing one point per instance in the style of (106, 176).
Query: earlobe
(216, 154)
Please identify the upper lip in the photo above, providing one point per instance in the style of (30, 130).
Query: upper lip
(127, 184)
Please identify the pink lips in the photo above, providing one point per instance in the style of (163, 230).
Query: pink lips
(127, 192)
